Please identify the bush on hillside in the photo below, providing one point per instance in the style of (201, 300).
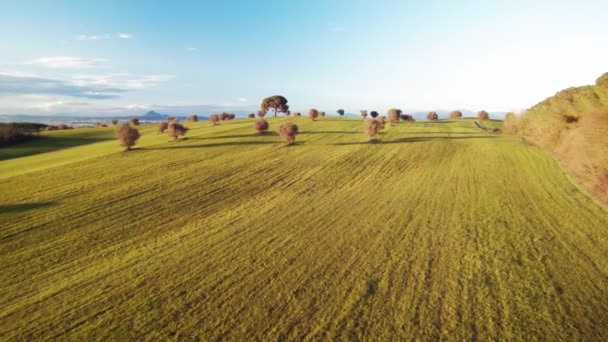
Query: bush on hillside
(363, 113)
(340, 112)
(373, 114)
(193, 118)
(261, 126)
(313, 114)
(371, 128)
(251, 116)
(297, 114)
(483, 115)
(455, 114)
(175, 130)
(261, 114)
(288, 132)
(114, 122)
(127, 135)
(162, 126)
(394, 115)
(134, 121)
(322, 114)
(432, 116)
(214, 119)
(407, 117)
(170, 118)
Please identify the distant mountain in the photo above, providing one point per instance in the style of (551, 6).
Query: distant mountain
(152, 115)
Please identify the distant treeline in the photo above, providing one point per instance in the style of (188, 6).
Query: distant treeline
(17, 132)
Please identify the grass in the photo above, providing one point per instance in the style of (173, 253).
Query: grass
(441, 231)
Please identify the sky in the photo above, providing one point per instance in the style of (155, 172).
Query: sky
(180, 57)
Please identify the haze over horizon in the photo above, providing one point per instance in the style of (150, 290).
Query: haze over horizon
(124, 57)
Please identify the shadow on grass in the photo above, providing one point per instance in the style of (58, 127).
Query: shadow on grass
(235, 136)
(229, 143)
(330, 132)
(411, 140)
(43, 144)
(22, 207)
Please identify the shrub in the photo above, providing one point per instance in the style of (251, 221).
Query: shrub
(170, 118)
(193, 118)
(394, 115)
(432, 116)
(602, 81)
(175, 130)
(374, 114)
(322, 114)
(114, 122)
(162, 127)
(340, 112)
(288, 113)
(214, 118)
(64, 126)
(127, 135)
(371, 128)
(277, 103)
(483, 115)
(224, 116)
(288, 132)
(363, 113)
(251, 116)
(231, 116)
(261, 126)
(134, 121)
(406, 117)
(381, 122)
(569, 118)
(101, 124)
(456, 114)
(313, 114)
(297, 114)
(261, 114)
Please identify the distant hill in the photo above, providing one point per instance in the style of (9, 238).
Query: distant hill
(573, 126)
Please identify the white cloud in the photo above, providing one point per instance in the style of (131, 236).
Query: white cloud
(68, 62)
(125, 36)
(242, 99)
(192, 49)
(93, 37)
(121, 80)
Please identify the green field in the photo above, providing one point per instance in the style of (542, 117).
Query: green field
(441, 231)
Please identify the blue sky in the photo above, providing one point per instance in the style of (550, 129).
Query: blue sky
(113, 57)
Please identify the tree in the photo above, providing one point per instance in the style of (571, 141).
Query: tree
(313, 114)
(261, 126)
(483, 115)
(371, 128)
(297, 114)
(455, 114)
(193, 118)
(363, 113)
(277, 103)
(127, 136)
(231, 116)
(224, 116)
(374, 114)
(288, 132)
(251, 116)
(340, 112)
(288, 113)
(135, 121)
(322, 114)
(394, 115)
(214, 118)
(381, 122)
(261, 114)
(432, 116)
(170, 118)
(407, 117)
(114, 122)
(162, 126)
(175, 130)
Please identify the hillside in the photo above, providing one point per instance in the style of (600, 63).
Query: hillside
(573, 126)
(442, 230)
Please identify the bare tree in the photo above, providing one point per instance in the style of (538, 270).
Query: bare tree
(261, 126)
(313, 114)
(288, 132)
(127, 136)
(175, 130)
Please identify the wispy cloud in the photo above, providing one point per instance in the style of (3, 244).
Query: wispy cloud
(191, 49)
(125, 36)
(12, 84)
(242, 99)
(124, 81)
(93, 37)
(68, 62)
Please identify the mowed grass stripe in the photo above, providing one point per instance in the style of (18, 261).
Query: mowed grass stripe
(440, 231)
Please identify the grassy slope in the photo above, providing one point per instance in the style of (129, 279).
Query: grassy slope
(57, 140)
(442, 230)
